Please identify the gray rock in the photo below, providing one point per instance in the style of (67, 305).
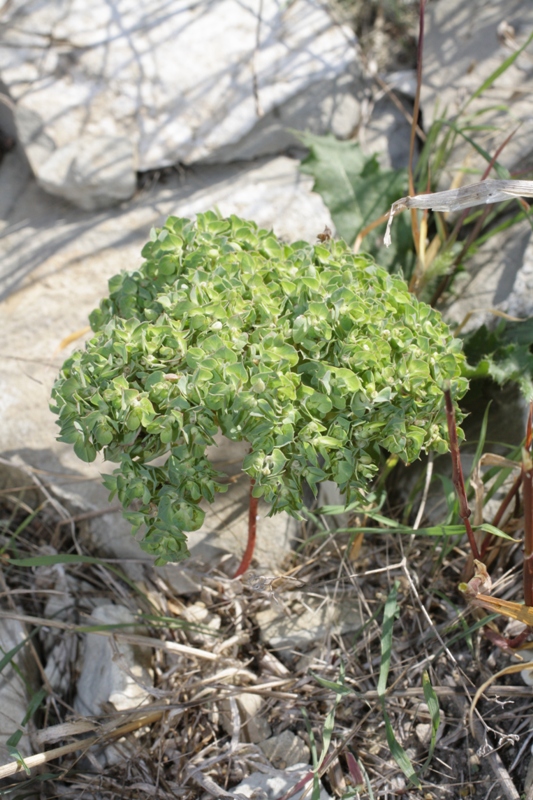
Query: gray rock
(519, 302)
(206, 625)
(148, 75)
(112, 671)
(274, 785)
(330, 495)
(93, 172)
(464, 44)
(387, 134)
(253, 727)
(331, 106)
(498, 278)
(285, 750)
(289, 630)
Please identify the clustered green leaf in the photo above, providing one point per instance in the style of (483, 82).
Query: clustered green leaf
(315, 357)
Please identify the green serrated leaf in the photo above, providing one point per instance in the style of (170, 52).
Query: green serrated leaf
(357, 191)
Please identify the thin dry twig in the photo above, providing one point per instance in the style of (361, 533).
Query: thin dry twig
(131, 638)
(51, 755)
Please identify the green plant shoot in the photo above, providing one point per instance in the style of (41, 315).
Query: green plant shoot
(314, 356)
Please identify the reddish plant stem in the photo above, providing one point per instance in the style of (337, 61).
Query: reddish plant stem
(252, 533)
(501, 641)
(416, 110)
(457, 474)
(527, 494)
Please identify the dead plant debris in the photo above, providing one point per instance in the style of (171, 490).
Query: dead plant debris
(194, 736)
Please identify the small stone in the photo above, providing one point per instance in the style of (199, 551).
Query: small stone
(273, 786)
(112, 672)
(296, 630)
(198, 615)
(424, 729)
(423, 732)
(527, 673)
(285, 750)
(254, 727)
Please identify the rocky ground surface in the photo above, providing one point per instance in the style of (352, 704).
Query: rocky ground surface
(105, 131)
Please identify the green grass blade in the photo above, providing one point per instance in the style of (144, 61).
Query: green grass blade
(338, 688)
(13, 741)
(23, 525)
(367, 780)
(487, 83)
(398, 753)
(434, 712)
(10, 655)
(389, 614)
(481, 442)
(495, 531)
(448, 490)
(329, 722)
(434, 530)
(64, 558)
(51, 560)
(314, 756)
(17, 755)
(494, 229)
(34, 704)
(44, 777)
(501, 171)
(466, 633)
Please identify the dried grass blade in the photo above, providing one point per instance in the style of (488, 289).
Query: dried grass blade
(475, 194)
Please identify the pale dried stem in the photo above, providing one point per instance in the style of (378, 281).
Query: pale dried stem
(475, 194)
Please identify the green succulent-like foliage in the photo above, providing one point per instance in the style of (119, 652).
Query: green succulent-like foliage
(315, 357)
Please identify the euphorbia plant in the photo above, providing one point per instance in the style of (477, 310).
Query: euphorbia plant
(314, 356)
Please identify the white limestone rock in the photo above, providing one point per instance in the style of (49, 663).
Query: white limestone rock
(285, 750)
(463, 45)
(274, 784)
(112, 671)
(93, 172)
(251, 722)
(498, 277)
(520, 301)
(181, 82)
(290, 631)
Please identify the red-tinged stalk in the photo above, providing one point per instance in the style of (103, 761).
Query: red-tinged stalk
(252, 533)
(416, 110)
(527, 494)
(501, 641)
(457, 474)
